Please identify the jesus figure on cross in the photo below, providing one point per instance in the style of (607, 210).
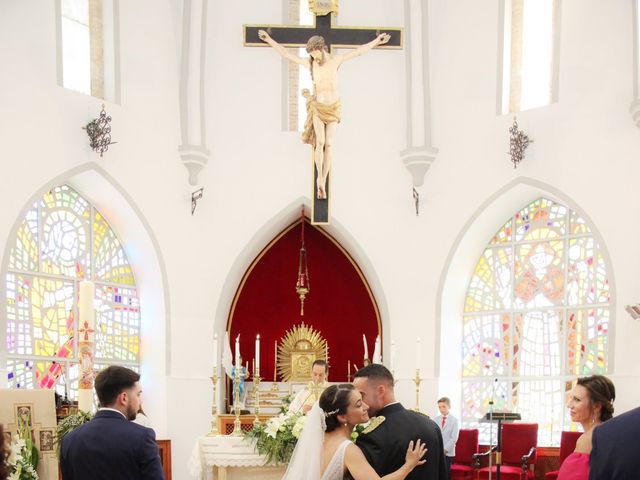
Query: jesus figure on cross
(323, 107)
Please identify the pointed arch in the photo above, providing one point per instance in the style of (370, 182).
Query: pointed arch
(280, 221)
(471, 241)
(96, 185)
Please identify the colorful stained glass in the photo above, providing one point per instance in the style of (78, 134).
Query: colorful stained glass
(64, 233)
(486, 345)
(503, 235)
(587, 341)
(539, 274)
(61, 241)
(476, 396)
(537, 349)
(118, 324)
(490, 287)
(536, 315)
(541, 401)
(109, 259)
(587, 279)
(25, 254)
(541, 220)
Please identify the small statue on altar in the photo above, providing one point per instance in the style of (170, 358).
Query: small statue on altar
(306, 397)
(243, 374)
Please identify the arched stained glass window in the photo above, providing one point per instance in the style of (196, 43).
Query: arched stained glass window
(62, 241)
(536, 316)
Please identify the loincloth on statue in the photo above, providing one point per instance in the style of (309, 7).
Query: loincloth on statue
(326, 113)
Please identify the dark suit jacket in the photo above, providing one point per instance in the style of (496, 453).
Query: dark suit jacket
(615, 454)
(386, 446)
(109, 447)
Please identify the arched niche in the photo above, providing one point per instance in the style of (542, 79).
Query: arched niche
(340, 304)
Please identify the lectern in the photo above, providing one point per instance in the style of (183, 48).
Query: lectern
(499, 417)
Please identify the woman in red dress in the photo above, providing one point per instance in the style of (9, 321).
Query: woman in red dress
(591, 403)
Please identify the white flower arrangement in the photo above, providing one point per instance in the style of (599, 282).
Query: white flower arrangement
(21, 465)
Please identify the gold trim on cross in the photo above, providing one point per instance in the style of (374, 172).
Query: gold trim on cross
(323, 7)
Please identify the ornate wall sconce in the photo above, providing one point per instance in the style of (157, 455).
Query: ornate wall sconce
(99, 131)
(518, 143)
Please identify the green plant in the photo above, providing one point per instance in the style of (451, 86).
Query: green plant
(69, 424)
(277, 437)
(23, 458)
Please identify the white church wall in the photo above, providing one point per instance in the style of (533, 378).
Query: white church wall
(585, 147)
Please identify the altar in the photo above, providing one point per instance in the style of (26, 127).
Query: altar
(226, 457)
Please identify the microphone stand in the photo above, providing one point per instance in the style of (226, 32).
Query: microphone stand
(491, 402)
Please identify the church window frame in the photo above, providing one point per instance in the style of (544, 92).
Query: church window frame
(88, 54)
(531, 326)
(528, 61)
(62, 240)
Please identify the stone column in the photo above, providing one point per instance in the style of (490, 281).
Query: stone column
(419, 154)
(193, 148)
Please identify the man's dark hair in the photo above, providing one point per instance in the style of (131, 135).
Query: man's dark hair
(112, 381)
(446, 401)
(376, 371)
(322, 363)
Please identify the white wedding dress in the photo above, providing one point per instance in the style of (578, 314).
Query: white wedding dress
(335, 469)
(305, 462)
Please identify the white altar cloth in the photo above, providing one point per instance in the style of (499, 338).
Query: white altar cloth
(225, 457)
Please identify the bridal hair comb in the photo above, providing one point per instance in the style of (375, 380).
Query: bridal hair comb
(332, 412)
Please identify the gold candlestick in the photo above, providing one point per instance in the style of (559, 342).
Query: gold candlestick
(417, 380)
(256, 393)
(237, 429)
(214, 406)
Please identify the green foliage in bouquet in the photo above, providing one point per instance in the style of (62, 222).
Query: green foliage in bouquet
(23, 458)
(69, 424)
(277, 437)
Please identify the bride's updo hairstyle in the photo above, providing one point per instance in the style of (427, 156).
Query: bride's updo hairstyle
(601, 391)
(334, 401)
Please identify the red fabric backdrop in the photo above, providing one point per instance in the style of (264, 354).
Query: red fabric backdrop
(339, 304)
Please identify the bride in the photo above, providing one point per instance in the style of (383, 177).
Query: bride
(325, 450)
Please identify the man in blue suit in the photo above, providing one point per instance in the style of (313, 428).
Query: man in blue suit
(450, 431)
(614, 453)
(110, 446)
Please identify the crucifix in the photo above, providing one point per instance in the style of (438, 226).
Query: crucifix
(323, 105)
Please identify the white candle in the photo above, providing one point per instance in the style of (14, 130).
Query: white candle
(237, 359)
(377, 353)
(275, 360)
(418, 352)
(86, 334)
(257, 367)
(86, 308)
(215, 349)
(366, 349)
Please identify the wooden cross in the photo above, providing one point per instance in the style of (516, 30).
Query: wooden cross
(335, 37)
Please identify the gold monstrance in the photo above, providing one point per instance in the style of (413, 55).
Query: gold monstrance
(298, 349)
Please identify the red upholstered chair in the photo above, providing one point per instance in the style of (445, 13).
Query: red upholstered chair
(568, 442)
(466, 446)
(519, 442)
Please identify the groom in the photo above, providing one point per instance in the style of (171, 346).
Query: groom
(384, 443)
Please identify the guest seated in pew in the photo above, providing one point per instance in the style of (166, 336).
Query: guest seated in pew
(591, 403)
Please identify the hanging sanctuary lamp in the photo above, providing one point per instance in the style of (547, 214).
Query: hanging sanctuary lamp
(302, 280)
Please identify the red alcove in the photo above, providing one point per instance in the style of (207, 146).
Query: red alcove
(340, 304)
